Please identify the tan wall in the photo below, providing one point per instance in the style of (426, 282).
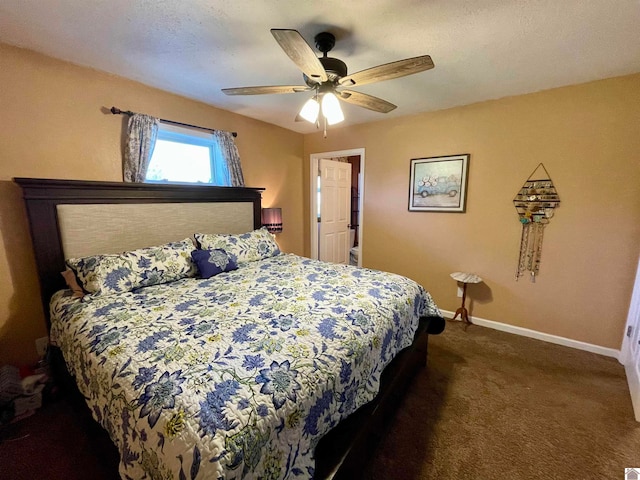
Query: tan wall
(54, 125)
(587, 136)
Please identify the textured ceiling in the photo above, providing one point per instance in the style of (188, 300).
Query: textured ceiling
(482, 49)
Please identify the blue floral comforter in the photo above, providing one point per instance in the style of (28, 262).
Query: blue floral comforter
(240, 375)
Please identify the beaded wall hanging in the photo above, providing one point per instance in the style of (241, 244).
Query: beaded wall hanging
(534, 203)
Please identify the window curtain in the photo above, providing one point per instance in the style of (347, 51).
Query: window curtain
(142, 133)
(231, 157)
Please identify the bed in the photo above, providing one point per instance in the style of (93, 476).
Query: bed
(283, 367)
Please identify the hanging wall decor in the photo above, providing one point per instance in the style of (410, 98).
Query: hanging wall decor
(535, 203)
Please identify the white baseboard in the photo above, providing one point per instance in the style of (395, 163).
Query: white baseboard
(545, 337)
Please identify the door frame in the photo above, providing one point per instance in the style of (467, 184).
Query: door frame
(313, 179)
(630, 352)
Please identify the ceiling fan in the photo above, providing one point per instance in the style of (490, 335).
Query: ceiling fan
(327, 77)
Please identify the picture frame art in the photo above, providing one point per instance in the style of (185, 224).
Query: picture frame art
(439, 184)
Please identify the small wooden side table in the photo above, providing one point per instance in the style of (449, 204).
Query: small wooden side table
(465, 279)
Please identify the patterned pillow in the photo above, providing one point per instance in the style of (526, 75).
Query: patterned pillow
(243, 248)
(213, 262)
(109, 274)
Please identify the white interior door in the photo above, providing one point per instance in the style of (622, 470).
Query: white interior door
(630, 354)
(335, 211)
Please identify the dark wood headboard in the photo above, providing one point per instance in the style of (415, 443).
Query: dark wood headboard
(42, 196)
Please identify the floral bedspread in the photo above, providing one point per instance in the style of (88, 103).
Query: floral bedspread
(240, 375)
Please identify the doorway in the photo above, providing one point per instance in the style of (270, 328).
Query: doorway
(356, 158)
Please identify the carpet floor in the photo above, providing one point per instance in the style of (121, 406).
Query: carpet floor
(492, 405)
(489, 406)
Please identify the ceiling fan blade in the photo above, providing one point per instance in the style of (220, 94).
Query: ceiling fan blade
(267, 89)
(367, 101)
(408, 66)
(301, 53)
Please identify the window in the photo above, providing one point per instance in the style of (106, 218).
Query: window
(187, 155)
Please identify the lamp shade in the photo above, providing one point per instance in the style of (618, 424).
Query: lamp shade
(310, 110)
(272, 219)
(331, 109)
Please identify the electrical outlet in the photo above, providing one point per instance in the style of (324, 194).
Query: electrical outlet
(42, 344)
(460, 292)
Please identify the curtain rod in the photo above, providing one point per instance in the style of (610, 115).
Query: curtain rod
(117, 111)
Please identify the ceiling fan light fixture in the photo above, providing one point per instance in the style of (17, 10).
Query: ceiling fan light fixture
(310, 110)
(331, 109)
(325, 75)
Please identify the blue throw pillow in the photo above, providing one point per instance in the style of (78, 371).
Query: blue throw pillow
(213, 262)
